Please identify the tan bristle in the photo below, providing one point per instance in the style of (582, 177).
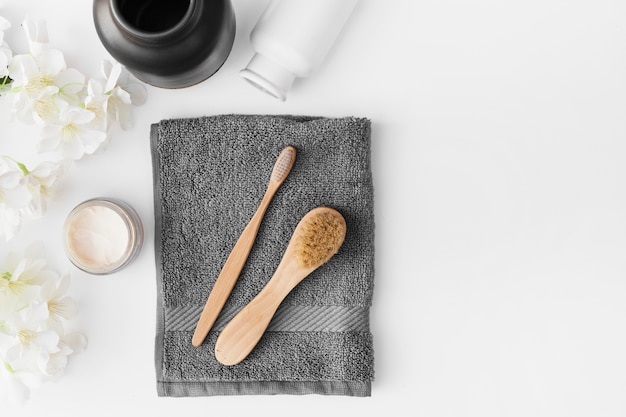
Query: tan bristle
(320, 237)
(283, 164)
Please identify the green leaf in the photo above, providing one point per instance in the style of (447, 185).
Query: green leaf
(4, 82)
(23, 168)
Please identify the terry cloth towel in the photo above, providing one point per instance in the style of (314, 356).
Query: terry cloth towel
(210, 175)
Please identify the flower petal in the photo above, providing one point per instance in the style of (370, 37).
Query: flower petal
(16, 392)
(76, 115)
(48, 341)
(113, 75)
(76, 341)
(36, 34)
(50, 138)
(92, 140)
(51, 62)
(17, 197)
(73, 149)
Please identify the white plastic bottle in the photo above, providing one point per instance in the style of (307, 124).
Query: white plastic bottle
(291, 39)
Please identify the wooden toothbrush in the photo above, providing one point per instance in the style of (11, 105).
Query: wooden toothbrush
(318, 236)
(238, 256)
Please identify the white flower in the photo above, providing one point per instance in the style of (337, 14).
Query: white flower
(17, 383)
(24, 193)
(22, 272)
(60, 306)
(40, 80)
(24, 351)
(17, 288)
(11, 194)
(33, 345)
(33, 90)
(111, 100)
(77, 115)
(13, 198)
(96, 102)
(41, 84)
(68, 345)
(72, 135)
(122, 91)
(21, 279)
(31, 73)
(42, 182)
(27, 326)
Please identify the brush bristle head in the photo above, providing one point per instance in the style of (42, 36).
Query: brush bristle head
(283, 164)
(320, 237)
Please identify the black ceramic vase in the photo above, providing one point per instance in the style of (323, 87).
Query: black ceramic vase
(167, 43)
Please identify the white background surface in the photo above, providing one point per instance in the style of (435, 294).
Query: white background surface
(499, 157)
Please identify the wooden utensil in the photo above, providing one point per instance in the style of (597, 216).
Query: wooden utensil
(317, 237)
(234, 264)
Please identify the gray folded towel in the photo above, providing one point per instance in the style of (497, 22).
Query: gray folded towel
(209, 176)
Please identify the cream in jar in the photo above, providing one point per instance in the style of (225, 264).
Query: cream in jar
(102, 235)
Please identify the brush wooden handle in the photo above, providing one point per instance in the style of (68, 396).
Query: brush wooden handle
(236, 260)
(245, 330)
(316, 239)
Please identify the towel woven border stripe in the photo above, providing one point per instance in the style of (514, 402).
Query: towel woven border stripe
(287, 318)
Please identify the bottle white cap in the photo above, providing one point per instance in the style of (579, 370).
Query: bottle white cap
(268, 76)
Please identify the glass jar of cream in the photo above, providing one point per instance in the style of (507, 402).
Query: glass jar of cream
(102, 235)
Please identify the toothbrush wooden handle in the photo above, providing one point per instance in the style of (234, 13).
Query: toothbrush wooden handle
(236, 260)
(230, 272)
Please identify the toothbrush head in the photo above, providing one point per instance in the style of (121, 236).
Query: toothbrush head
(283, 164)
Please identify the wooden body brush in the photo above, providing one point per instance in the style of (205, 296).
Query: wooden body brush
(238, 256)
(318, 236)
